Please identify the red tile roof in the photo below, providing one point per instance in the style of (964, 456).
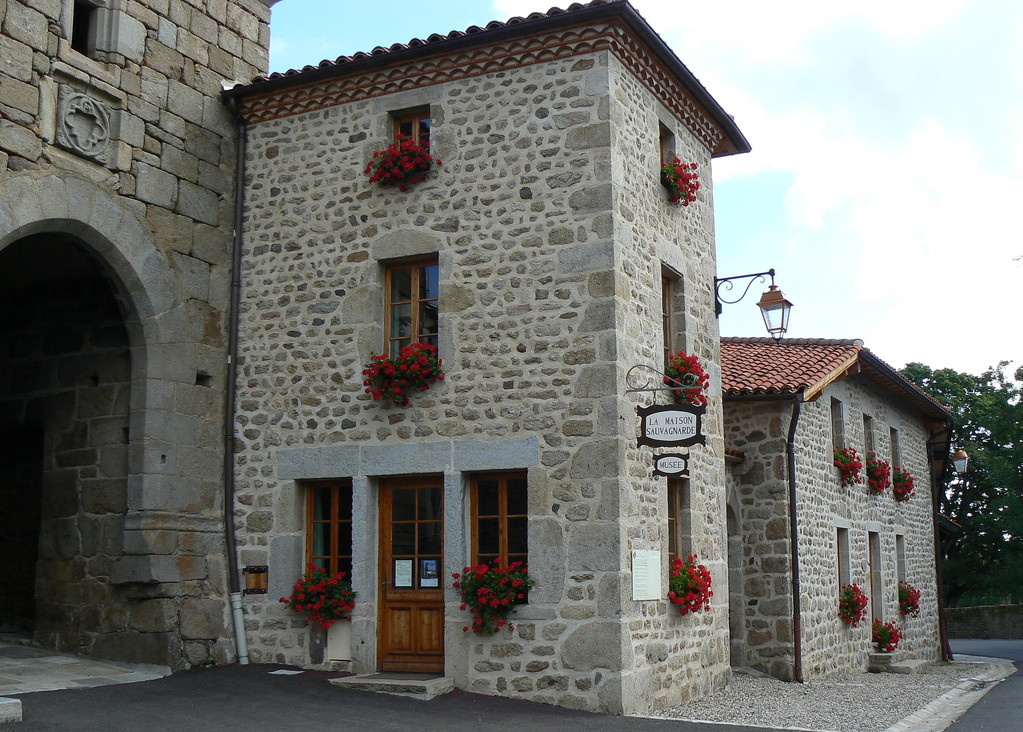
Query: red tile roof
(762, 366)
(752, 367)
(439, 38)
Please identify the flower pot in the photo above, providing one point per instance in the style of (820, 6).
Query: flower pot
(339, 641)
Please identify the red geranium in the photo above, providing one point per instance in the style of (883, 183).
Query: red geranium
(490, 592)
(909, 599)
(848, 462)
(879, 474)
(402, 164)
(325, 597)
(414, 368)
(687, 371)
(681, 180)
(689, 585)
(886, 635)
(852, 605)
(903, 485)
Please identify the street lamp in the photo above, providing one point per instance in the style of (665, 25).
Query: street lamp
(774, 306)
(960, 460)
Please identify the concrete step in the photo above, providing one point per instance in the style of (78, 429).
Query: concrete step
(418, 686)
(894, 663)
(10, 709)
(909, 666)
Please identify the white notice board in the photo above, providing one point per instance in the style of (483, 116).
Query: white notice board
(646, 574)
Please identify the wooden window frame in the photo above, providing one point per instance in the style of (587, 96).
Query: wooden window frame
(680, 527)
(667, 287)
(415, 117)
(392, 342)
(333, 558)
(896, 446)
(837, 424)
(503, 515)
(665, 143)
(868, 436)
(901, 567)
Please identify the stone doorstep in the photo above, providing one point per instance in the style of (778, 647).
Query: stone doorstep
(418, 686)
(894, 663)
(10, 710)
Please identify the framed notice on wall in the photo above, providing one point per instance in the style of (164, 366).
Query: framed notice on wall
(646, 574)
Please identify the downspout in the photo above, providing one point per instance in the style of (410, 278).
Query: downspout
(233, 572)
(946, 649)
(797, 616)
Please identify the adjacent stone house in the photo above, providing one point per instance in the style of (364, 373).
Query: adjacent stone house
(788, 407)
(544, 259)
(117, 162)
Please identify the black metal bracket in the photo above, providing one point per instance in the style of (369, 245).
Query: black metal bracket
(726, 284)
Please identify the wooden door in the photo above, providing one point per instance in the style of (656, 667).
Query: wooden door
(411, 630)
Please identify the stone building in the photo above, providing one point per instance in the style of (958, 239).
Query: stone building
(544, 259)
(788, 407)
(117, 159)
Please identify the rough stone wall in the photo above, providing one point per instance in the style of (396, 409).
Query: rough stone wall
(824, 506)
(128, 149)
(675, 658)
(535, 299)
(985, 621)
(758, 494)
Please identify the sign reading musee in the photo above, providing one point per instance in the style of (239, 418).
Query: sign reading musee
(671, 425)
(672, 466)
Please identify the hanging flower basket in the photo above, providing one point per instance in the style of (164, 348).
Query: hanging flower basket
(402, 164)
(689, 585)
(325, 597)
(879, 475)
(852, 605)
(490, 592)
(903, 485)
(393, 379)
(848, 462)
(886, 635)
(683, 370)
(681, 180)
(909, 599)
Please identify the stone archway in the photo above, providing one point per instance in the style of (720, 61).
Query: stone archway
(134, 565)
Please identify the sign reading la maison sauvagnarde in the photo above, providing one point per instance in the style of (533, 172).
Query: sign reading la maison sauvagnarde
(671, 425)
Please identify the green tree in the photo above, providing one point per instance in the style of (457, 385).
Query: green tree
(983, 562)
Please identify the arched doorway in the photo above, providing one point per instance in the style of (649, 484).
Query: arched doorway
(65, 382)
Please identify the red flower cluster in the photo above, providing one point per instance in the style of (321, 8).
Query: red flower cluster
(689, 585)
(683, 370)
(326, 598)
(848, 462)
(852, 605)
(903, 485)
(392, 379)
(402, 164)
(681, 180)
(490, 592)
(909, 599)
(886, 635)
(879, 474)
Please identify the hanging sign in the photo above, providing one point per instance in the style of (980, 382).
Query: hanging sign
(673, 466)
(671, 425)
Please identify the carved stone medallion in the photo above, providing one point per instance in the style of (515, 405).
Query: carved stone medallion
(83, 125)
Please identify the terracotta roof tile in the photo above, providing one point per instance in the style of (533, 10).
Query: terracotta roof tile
(762, 366)
(437, 38)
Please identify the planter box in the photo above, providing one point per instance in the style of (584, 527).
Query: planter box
(339, 641)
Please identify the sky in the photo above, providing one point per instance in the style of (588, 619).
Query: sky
(885, 185)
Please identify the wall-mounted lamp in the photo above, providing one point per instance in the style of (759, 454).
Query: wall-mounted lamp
(960, 460)
(773, 304)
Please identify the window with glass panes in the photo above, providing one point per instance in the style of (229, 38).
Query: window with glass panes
(499, 518)
(329, 526)
(411, 304)
(680, 528)
(414, 125)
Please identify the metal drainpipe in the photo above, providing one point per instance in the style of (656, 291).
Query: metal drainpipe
(233, 572)
(946, 649)
(797, 622)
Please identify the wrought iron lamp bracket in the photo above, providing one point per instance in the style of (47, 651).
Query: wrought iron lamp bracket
(725, 283)
(637, 381)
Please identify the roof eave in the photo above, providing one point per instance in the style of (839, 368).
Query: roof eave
(622, 10)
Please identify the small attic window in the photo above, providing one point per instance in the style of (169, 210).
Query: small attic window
(666, 141)
(83, 26)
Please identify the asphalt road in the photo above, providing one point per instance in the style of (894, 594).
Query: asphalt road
(1001, 709)
(250, 698)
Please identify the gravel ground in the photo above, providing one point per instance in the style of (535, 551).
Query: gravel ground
(861, 702)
